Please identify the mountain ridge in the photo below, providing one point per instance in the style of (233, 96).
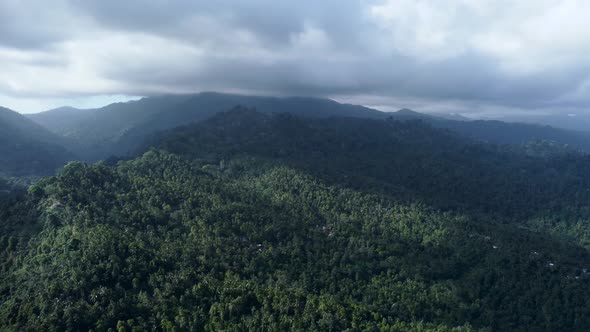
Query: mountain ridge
(120, 128)
(274, 221)
(26, 148)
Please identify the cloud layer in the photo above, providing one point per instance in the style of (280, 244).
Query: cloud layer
(470, 56)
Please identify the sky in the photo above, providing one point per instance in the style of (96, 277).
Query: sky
(480, 58)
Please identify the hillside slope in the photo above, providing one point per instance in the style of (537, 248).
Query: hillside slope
(256, 221)
(63, 121)
(26, 148)
(166, 243)
(119, 129)
(499, 132)
(409, 160)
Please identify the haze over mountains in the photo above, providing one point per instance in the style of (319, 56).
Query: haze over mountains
(120, 128)
(573, 121)
(27, 148)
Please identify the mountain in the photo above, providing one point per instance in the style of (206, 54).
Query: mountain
(408, 114)
(257, 221)
(119, 129)
(61, 120)
(453, 116)
(499, 132)
(408, 158)
(578, 121)
(26, 148)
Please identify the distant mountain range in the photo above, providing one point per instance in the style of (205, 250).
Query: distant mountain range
(386, 152)
(27, 148)
(301, 214)
(570, 121)
(120, 129)
(279, 222)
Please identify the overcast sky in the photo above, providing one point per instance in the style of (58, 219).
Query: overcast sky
(481, 57)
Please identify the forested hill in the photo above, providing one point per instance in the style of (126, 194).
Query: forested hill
(254, 221)
(500, 132)
(27, 149)
(411, 161)
(165, 243)
(118, 129)
(161, 112)
(64, 121)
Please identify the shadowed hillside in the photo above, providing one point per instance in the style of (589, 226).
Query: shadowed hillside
(27, 148)
(119, 129)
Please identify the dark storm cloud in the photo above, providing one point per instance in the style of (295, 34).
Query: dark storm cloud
(443, 53)
(270, 20)
(32, 24)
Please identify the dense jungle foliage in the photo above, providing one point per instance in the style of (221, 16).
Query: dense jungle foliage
(250, 221)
